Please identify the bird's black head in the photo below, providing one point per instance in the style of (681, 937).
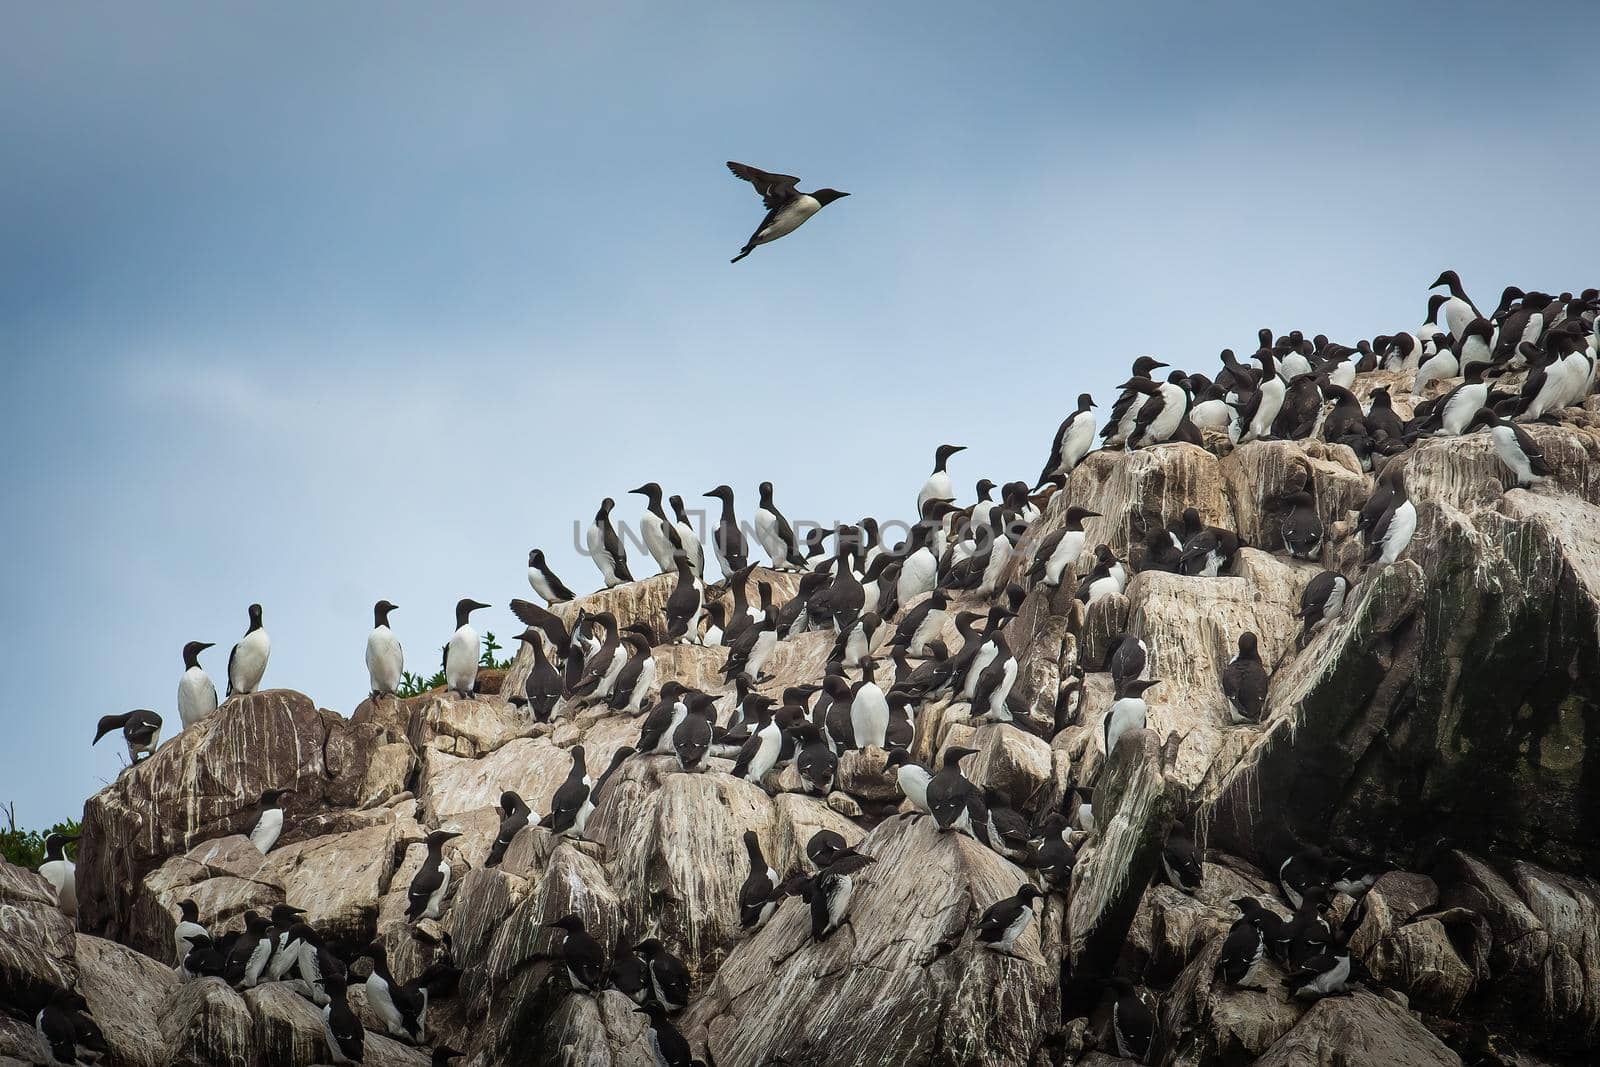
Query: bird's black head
(270, 797)
(191, 652)
(570, 923)
(255, 616)
(1247, 643)
(380, 612)
(1448, 277)
(828, 196)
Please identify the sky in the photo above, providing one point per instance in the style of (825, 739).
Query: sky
(313, 305)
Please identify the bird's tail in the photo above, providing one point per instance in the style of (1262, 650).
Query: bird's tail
(745, 251)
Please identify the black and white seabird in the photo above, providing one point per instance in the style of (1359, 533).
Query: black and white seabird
(938, 485)
(1244, 946)
(1320, 602)
(758, 895)
(815, 760)
(1392, 533)
(1074, 438)
(1302, 526)
(141, 731)
(1127, 713)
(660, 536)
(1135, 392)
(514, 816)
(667, 1044)
(1133, 1024)
(198, 957)
(922, 624)
(346, 1038)
(544, 687)
(269, 820)
(1109, 576)
(398, 1008)
(61, 872)
(285, 949)
(683, 606)
(637, 676)
(386, 660)
(691, 737)
(1129, 658)
(869, 711)
(748, 654)
(585, 959)
(787, 207)
(187, 929)
(610, 555)
(832, 890)
(1060, 549)
(1209, 551)
(759, 752)
(949, 792)
(669, 978)
(777, 537)
(425, 896)
(197, 695)
(727, 540)
(687, 536)
(1005, 920)
(1301, 871)
(251, 952)
(1244, 682)
(1324, 974)
(1260, 412)
(912, 778)
(68, 1030)
(248, 660)
(573, 802)
(544, 580)
(1053, 856)
(1515, 447)
(461, 654)
(1181, 859)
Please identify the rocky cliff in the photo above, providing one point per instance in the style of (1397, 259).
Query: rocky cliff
(1440, 729)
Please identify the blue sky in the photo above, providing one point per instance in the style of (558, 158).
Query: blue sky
(317, 305)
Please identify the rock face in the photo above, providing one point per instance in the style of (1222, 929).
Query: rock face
(1441, 728)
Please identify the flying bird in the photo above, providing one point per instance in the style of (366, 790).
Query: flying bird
(787, 207)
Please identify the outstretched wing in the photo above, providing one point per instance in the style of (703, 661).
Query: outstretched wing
(775, 189)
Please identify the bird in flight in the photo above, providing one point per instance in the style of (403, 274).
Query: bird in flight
(787, 207)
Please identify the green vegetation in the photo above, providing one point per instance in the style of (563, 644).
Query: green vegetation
(25, 848)
(414, 684)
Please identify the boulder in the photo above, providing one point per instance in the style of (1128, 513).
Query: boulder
(206, 1024)
(125, 992)
(36, 940)
(904, 970)
(206, 783)
(1360, 1028)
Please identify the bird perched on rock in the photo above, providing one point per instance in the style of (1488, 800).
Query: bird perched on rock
(1127, 713)
(386, 660)
(248, 660)
(787, 207)
(776, 536)
(425, 895)
(683, 606)
(1244, 682)
(268, 826)
(912, 778)
(727, 540)
(544, 580)
(938, 486)
(141, 732)
(758, 895)
(1515, 447)
(543, 688)
(1128, 659)
(949, 792)
(68, 1030)
(60, 872)
(514, 817)
(197, 694)
(1053, 855)
(610, 555)
(831, 891)
(1005, 920)
(669, 1047)
(668, 977)
(1302, 870)
(461, 654)
(345, 1036)
(1244, 946)
(187, 928)
(1320, 602)
(1181, 859)
(250, 953)
(399, 1009)
(1302, 526)
(585, 959)
(1061, 549)
(1074, 438)
(1133, 1024)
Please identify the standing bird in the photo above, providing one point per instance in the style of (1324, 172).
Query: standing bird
(683, 606)
(1005, 920)
(777, 537)
(1245, 943)
(573, 802)
(660, 537)
(727, 541)
(386, 660)
(64, 1028)
(938, 485)
(425, 895)
(1321, 601)
(668, 1046)
(1061, 549)
(269, 821)
(1133, 1024)
(462, 653)
(610, 555)
(1072, 442)
(1515, 447)
(544, 580)
(912, 778)
(60, 872)
(340, 1026)
(250, 953)
(1391, 534)
(758, 896)
(831, 891)
(787, 208)
(197, 695)
(187, 929)
(584, 957)
(248, 660)
(1127, 713)
(669, 978)
(514, 818)
(1181, 859)
(949, 792)
(1244, 682)
(1302, 526)
(398, 1008)
(688, 539)
(544, 687)
(141, 731)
